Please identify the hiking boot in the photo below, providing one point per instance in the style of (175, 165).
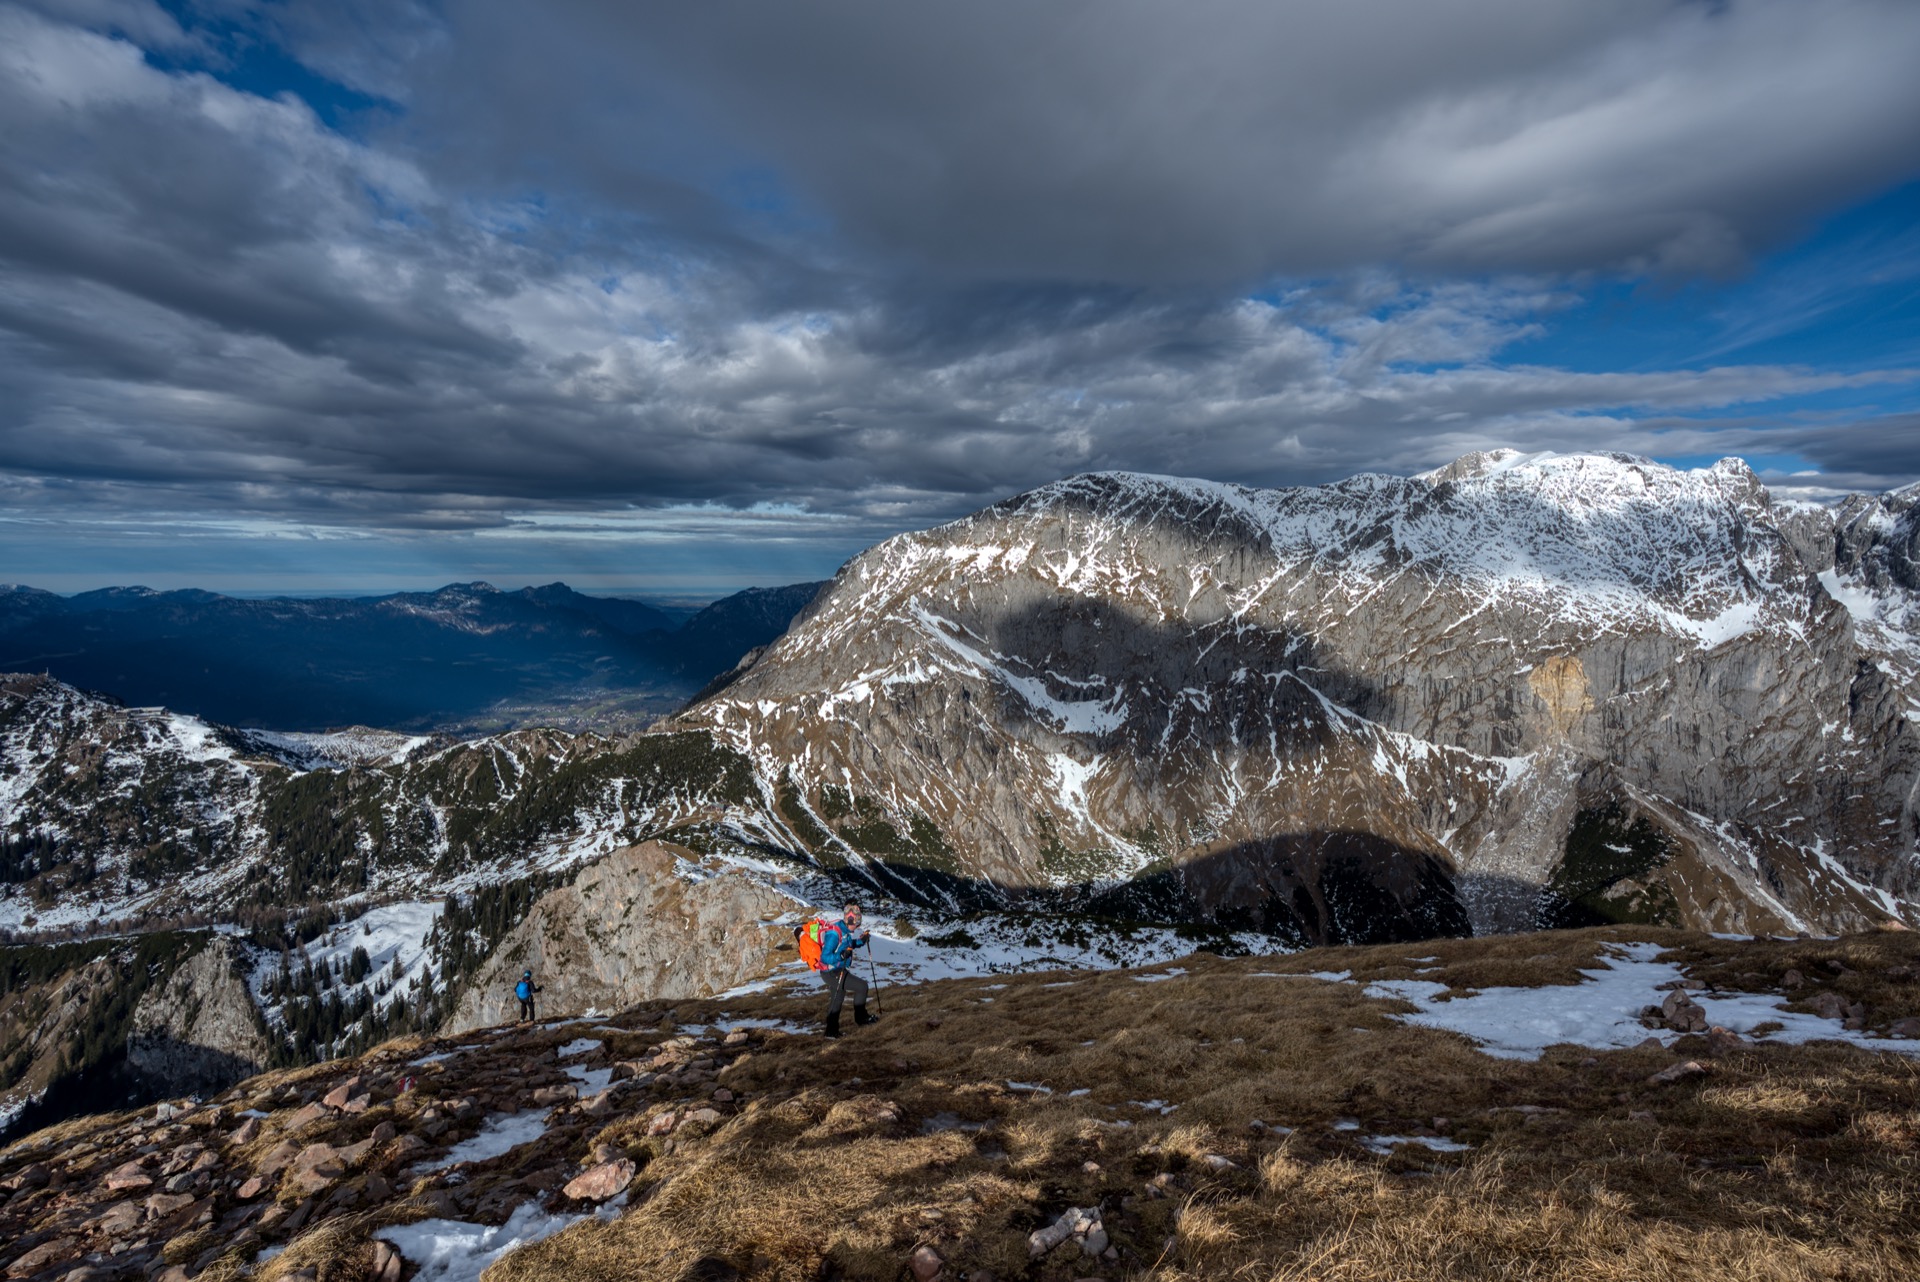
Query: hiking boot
(860, 1016)
(833, 1024)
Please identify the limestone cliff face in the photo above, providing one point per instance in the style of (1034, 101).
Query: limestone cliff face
(1390, 699)
(199, 1031)
(649, 921)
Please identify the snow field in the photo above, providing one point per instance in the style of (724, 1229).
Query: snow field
(1603, 1011)
(456, 1251)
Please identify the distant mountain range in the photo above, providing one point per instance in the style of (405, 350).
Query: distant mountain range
(467, 657)
(1513, 692)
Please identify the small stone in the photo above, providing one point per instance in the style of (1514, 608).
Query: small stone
(247, 1132)
(926, 1264)
(253, 1188)
(317, 1166)
(599, 1105)
(547, 1096)
(206, 1161)
(358, 1104)
(307, 1114)
(723, 1096)
(161, 1205)
(1678, 1072)
(1829, 1006)
(701, 1115)
(119, 1218)
(388, 1264)
(1218, 1163)
(1792, 979)
(40, 1257)
(128, 1178)
(662, 1124)
(1091, 1168)
(602, 1182)
(179, 1183)
(1908, 1027)
(339, 1095)
(1724, 1041)
(1095, 1242)
(737, 1037)
(382, 1133)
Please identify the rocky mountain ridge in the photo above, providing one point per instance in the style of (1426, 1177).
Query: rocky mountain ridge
(1396, 700)
(1515, 691)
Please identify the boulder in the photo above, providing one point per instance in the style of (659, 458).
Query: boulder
(1829, 1006)
(1908, 1027)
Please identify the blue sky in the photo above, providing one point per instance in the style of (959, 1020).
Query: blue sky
(680, 299)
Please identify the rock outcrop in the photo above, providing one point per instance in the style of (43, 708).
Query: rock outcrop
(200, 1031)
(647, 922)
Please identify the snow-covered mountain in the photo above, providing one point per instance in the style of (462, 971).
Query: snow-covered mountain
(1517, 690)
(1512, 690)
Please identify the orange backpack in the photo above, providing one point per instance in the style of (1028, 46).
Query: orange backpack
(807, 935)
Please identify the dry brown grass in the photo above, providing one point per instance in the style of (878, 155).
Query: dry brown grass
(839, 1159)
(1786, 1162)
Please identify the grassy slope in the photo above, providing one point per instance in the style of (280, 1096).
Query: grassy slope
(1784, 1162)
(1781, 1162)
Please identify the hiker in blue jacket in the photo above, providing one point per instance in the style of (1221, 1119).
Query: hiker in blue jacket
(837, 943)
(525, 990)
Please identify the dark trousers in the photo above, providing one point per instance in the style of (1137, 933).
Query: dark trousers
(526, 1008)
(842, 984)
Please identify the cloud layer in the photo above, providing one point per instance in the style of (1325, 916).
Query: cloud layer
(861, 266)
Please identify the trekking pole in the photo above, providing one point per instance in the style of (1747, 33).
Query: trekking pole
(873, 975)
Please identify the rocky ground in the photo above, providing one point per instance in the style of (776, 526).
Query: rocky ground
(1301, 1116)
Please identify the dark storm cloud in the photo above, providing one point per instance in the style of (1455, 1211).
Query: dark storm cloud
(1133, 140)
(881, 261)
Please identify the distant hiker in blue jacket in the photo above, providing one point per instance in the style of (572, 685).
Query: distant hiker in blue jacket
(837, 943)
(525, 990)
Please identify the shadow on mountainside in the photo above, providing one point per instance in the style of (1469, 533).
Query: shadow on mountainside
(1307, 888)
